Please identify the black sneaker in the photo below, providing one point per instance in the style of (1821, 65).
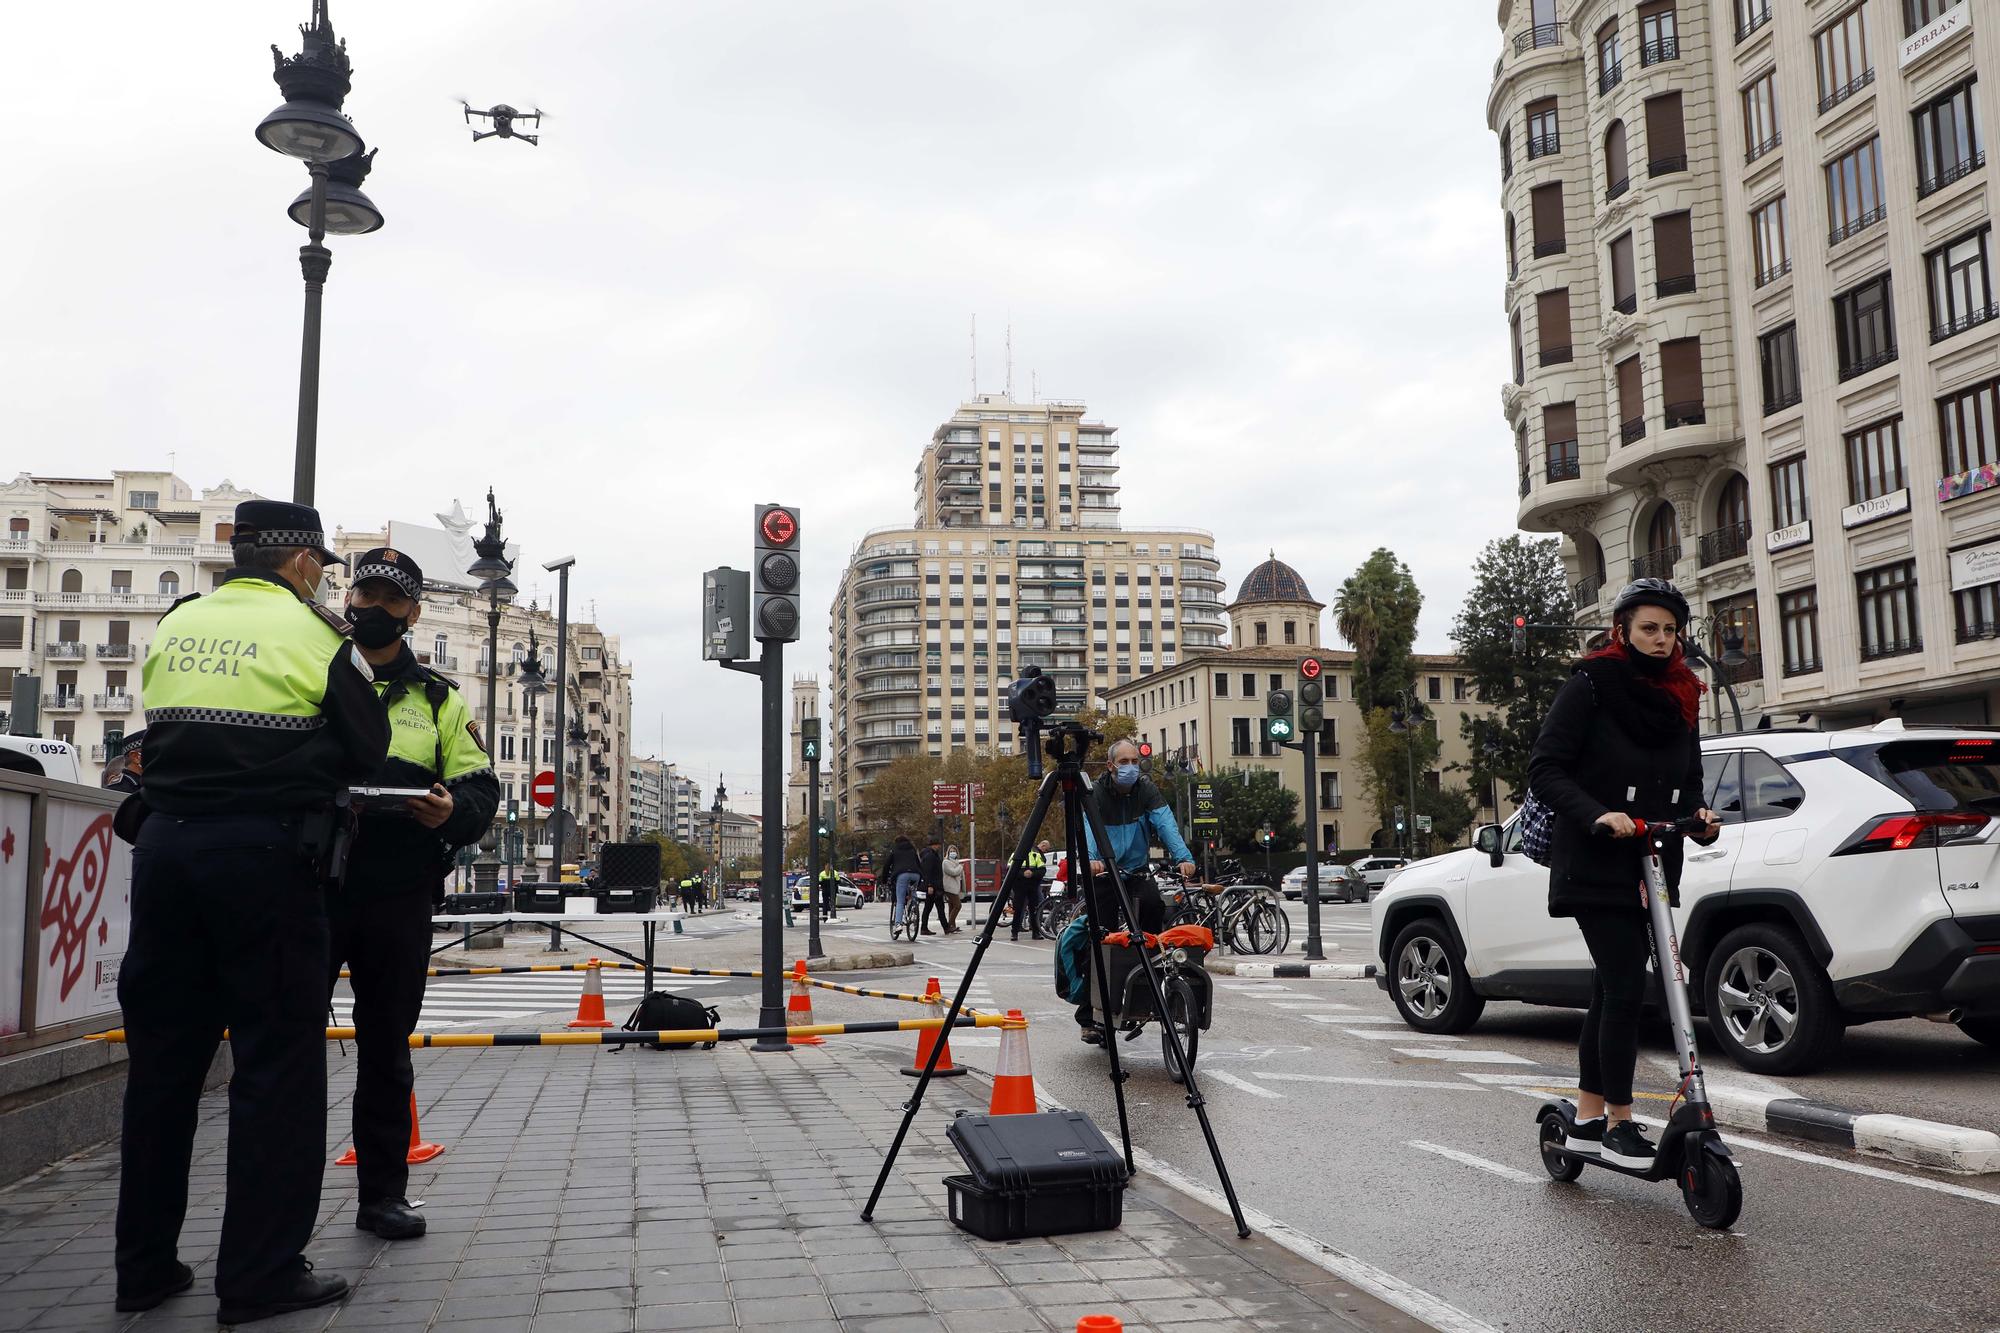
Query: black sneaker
(1585, 1137)
(1625, 1145)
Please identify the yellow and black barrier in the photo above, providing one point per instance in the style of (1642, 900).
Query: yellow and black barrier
(517, 969)
(446, 1040)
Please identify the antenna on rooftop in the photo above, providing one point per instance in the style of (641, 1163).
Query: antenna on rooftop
(975, 357)
(1010, 359)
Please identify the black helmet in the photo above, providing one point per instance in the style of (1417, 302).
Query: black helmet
(1652, 592)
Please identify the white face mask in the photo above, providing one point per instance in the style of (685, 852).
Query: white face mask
(315, 580)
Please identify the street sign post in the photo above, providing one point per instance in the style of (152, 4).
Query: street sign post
(544, 789)
(947, 798)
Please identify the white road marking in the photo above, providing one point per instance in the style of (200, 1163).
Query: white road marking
(1350, 1018)
(1403, 1035)
(1467, 1159)
(1255, 986)
(1536, 1080)
(1371, 1082)
(1411, 1300)
(1245, 1084)
(1465, 1057)
(1308, 1004)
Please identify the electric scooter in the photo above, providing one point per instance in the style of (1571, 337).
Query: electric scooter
(1691, 1151)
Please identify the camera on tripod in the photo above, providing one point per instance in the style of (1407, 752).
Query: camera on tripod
(1030, 701)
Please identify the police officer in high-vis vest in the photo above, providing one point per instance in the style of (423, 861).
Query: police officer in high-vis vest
(381, 916)
(828, 882)
(1027, 890)
(259, 716)
(690, 893)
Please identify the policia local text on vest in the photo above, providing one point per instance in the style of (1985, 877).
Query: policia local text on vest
(259, 716)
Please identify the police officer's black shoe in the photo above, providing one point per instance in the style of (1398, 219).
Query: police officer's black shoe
(304, 1291)
(391, 1219)
(132, 1300)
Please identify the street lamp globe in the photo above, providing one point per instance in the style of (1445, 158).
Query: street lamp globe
(309, 131)
(501, 587)
(308, 124)
(349, 212)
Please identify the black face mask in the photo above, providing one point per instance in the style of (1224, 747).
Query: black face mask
(1646, 664)
(374, 627)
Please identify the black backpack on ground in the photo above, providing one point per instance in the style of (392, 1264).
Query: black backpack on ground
(664, 1011)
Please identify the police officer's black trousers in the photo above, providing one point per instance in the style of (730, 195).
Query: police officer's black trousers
(228, 930)
(1026, 895)
(384, 938)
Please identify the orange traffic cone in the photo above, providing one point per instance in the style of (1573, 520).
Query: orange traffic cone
(1013, 1081)
(1100, 1323)
(590, 1005)
(419, 1150)
(799, 1009)
(934, 1001)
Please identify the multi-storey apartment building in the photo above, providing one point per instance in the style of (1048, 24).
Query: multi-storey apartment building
(1211, 708)
(88, 565)
(1016, 558)
(683, 802)
(1834, 511)
(646, 808)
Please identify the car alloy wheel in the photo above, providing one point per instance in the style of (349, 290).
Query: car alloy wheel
(1759, 1000)
(1424, 976)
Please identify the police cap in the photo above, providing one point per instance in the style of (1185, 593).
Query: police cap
(282, 523)
(391, 566)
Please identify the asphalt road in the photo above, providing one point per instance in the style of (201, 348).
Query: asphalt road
(1418, 1156)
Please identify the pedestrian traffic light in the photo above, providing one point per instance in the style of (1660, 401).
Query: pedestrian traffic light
(1278, 716)
(1520, 634)
(1312, 718)
(820, 830)
(774, 571)
(513, 811)
(1399, 819)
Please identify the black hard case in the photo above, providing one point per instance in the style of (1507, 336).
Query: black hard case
(475, 904)
(544, 898)
(1034, 1175)
(625, 900)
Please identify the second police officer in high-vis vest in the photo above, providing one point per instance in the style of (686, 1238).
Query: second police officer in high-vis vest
(259, 716)
(381, 918)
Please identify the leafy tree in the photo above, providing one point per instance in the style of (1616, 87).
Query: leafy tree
(1376, 612)
(678, 860)
(1514, 576)
(1246, 799)
(1386, 758)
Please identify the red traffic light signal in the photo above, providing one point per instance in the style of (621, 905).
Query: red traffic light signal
(1145, 749)
(1520, 622)
(779, 527)
(1310, 668)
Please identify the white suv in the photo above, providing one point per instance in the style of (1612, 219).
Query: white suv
(1857, 878)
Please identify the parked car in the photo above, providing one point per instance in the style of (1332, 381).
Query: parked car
(1337, 883)
(1376, 871)
(846, 897)
(1857, 878)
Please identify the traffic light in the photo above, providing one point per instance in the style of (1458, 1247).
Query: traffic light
(1399, 819)
(774, 572)
(809, 739)
(1520, 634)
(1278, 716)
(1312, 718)
(1265, 835)
(1145, 749)
(820, 830)
(513, 811)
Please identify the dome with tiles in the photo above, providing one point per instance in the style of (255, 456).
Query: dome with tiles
(1274, 581)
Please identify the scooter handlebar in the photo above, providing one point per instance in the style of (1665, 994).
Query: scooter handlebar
(1691, 826)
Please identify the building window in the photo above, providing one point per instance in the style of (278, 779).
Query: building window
(1768, 230)
(1760, 115)
(1887, 600)
(1291, 631)
(1666, 135)
(1673, 254)
(144, 500)
(1875, 461)
(1736, 619)
(1552, 327)
(1779, 353)
(1544, 138)
(1659, 34)
(1239, 735)
(1222, 684)
(1680, 374)
(1617, 173)
(1947, 139)
(1663, 545)
(1731, 536)
(1263, 634)
(1969, 428)
(1798, 622)
(1610, 58)
(1841, 49)
(1547, 205)
(170, 584)
(1864, 327)
(1624, 276)
(1750, 16)
(1961, 286)
(1789, 506)
(1631, 401)
(1920, 13)
(1978, 612)
(1854, 191)
(1559, 439)
(1249, 686)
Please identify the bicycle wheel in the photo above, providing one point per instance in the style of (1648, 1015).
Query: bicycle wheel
(1263, 928)
(1181, 1020)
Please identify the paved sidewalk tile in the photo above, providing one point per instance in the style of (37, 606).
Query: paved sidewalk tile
(583, 1190)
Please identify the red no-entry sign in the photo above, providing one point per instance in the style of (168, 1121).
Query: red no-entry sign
(544, 790)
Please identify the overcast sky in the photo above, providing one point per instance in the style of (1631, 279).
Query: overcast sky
(1262, 238)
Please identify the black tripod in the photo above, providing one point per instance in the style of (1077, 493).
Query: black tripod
(1067, 746)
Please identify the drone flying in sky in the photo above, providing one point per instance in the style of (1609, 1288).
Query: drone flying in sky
(503, 118)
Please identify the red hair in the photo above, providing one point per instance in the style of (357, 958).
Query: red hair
(1677, 680)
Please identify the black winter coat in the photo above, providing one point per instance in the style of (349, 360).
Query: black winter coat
(1589, 760)
(900, 861)
(932, 862)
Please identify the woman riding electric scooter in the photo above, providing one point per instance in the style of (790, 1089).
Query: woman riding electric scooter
(1619, 745)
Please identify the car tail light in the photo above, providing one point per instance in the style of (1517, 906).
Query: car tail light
(1897, 833)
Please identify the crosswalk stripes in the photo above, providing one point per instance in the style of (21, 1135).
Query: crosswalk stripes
(455, 1001)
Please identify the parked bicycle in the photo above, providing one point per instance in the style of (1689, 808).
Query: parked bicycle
(1247, 918)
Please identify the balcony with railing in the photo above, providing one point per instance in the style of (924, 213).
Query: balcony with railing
(1660, 52)
(1678, 285)
(1861, 365)
(1856, 225)
(62, 650)
(1666, 166)
(62, 701)
(1749, 670)
(109, 599)
(1878, 649)
(1610, 77)
(1626, 304)
(1544, 145)
(1970, 320)
(1691, 413)
(1770, 145)
(1846, 90)
(1539, 35)
(1617, 187)
(1543, 249)
(1957, 171)
(1632, 431)
(115, 652)
(1527, 482)
(1657, 564)
(1584, 592)
(1558, 356)
(118, 702)
(1725, 543)
(1753, 22)
(1563, 463)
(1804, 666)
(1788, 396)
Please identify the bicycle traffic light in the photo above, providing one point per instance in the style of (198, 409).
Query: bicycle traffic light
(1278, 724)
(1312, 717)
(774, 572)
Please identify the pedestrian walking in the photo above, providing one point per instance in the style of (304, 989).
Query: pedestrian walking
(259, 716)
(690, 891)
(931, 859)
(1025, 889)
(380, 918)
(1619, 743)
(905, 871)
(954, 888)
(828, 883)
